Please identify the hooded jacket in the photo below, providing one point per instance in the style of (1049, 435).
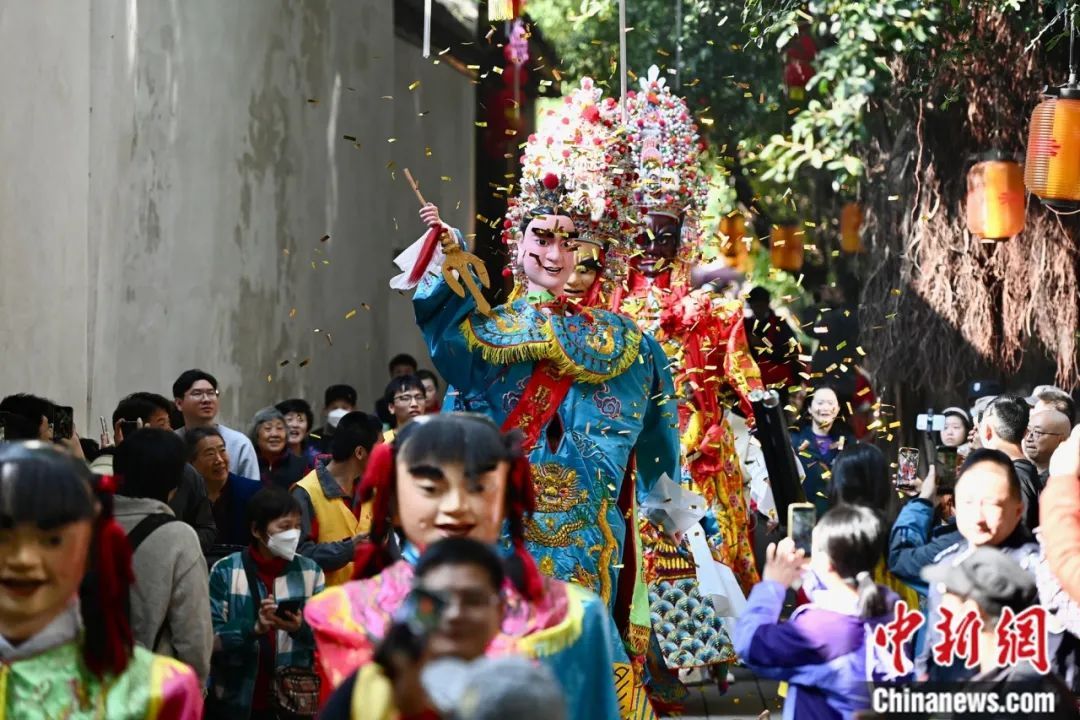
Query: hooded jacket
(171, 595)
(825, 650)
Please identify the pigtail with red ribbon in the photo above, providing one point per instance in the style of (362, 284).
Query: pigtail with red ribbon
(105, 598)
(370, 558)
(521, 501)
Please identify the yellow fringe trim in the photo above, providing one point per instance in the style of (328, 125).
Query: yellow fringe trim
(550, 349)
(373, 695)
(5, 670)
(558, 637)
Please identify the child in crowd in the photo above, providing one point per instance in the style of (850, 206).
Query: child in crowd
(822, 650)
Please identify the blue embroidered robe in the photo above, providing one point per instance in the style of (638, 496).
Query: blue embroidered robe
(580, 461)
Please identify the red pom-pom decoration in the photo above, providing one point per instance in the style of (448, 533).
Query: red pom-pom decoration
(551, 181)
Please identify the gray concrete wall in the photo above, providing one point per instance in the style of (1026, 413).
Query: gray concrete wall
(167, 169)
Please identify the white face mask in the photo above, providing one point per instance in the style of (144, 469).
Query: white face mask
(283, 544)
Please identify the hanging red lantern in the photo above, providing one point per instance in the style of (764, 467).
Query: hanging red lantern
(786, 247)
(851, 219)
(732, 243)
(995, 197)
(1052, 170)
(800, 52)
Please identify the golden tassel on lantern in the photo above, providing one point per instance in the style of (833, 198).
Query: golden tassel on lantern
(500, 10)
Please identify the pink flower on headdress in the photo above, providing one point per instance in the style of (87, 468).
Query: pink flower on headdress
(591, 114)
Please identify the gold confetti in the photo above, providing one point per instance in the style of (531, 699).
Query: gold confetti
(427, 152)
(292, 313)
(391, 140)
(269, 378)
(415, 84)
(350, 138)
(365, 306)
(330, 339)
(313, 101)
(350, 314)
(305, 362)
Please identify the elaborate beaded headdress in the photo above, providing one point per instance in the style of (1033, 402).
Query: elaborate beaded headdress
(667, 152)
(578, 163)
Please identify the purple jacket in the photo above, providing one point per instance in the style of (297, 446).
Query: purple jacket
(821, 653)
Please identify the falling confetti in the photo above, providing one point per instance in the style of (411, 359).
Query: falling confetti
(415, 84)
(324, 238)
(292, 313)
(350, 138)
(305, 362)
(350, 314)
(283, 363)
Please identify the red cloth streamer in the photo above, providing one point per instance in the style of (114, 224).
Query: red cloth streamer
(427, 251)
(539, 402)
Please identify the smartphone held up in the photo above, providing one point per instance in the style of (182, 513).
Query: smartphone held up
(801, 520)
(907, 469)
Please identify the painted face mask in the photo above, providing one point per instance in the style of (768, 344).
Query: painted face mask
(283, 544)
(547, 252)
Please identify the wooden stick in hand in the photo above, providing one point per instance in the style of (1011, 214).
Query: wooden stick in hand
(415, 187)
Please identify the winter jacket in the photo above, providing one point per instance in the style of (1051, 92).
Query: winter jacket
(914, 542)
(331, 551)
(171, 596)
(818, 465)
(231, 509)
(236, 666)
(284, 471)
(822, 651)
(1021, 547)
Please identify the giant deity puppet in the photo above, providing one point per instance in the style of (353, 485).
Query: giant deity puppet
(702, 332)
(587, 388)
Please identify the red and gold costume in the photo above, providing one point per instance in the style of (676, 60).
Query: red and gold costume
(703, 335)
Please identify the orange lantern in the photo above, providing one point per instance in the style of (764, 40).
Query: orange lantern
(1052, 170)
(787, 247)
(851, 219)
(732, 244)
(995, 198)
